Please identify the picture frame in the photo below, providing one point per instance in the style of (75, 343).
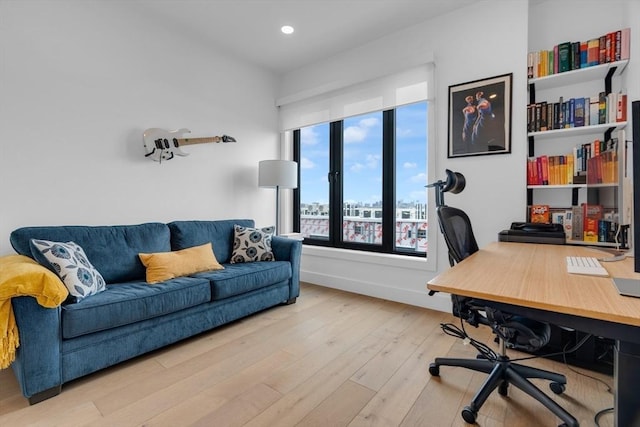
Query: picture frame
(480, 117)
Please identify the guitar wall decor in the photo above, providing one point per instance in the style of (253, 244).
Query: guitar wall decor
(161, 144)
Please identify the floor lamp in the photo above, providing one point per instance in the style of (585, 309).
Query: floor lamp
(277, 174)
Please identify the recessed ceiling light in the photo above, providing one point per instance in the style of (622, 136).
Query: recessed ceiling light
(287, 29)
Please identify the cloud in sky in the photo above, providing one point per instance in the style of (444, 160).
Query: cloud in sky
(305, 163)
(356, 167)
(358, 133)
(410, 165)
(403, 132)
(419, 178)
(373, 160)
(309, 135)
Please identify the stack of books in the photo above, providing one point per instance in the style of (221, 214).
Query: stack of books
(593, 162)
(577, 112)
(568, 56)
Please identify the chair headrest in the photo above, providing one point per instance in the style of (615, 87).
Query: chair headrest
(455, 182)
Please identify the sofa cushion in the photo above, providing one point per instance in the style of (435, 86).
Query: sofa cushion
(113, 249)
(185, 234)
(252, 244)
(131, 302)
(237, 279)
(69, 261)
(163, 266)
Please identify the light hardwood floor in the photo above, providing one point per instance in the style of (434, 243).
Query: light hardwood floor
(331, 359)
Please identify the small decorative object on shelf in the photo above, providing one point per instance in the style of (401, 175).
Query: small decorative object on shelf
(161, 144)
(589, 167)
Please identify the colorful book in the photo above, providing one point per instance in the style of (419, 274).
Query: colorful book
(564, 57)
(591, 215)
(579, 109)
(593, 52)
(577, 223)
(594, 110)
(602, 108)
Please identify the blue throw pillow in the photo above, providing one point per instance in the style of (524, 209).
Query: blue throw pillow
(69, 261)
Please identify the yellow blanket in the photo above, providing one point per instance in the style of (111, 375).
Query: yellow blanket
(22, 276)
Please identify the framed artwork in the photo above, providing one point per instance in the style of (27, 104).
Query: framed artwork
(480, 117)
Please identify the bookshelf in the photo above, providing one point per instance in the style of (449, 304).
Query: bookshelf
(595, 187)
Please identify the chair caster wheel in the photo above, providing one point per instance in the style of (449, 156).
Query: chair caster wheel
(503, 388)
(434, 370)
(557, 388)
(469, 415)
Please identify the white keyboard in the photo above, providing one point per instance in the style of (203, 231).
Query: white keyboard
(585, 265)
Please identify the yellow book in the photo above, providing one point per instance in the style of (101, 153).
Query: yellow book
(570, 167)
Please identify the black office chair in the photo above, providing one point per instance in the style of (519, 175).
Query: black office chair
(511, 331)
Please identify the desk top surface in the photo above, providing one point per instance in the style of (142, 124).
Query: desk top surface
(535, 275)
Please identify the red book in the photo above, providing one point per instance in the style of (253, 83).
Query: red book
(610, 47)
(593, 51)
(544, 163)
(621, 112)
(532, 172)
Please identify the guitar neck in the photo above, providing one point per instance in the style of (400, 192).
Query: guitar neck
(191, 141)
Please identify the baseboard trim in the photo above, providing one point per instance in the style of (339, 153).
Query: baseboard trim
(439, 301)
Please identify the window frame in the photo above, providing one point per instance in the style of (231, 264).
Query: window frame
(335, 178)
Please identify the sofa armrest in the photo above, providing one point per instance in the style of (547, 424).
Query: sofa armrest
(285, 249)
(38, 365)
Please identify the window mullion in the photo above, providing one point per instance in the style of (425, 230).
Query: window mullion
(335, 185)
(388, 181)
(296, 191)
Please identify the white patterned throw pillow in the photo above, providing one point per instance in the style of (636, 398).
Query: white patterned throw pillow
(252, 244)
(70, 262)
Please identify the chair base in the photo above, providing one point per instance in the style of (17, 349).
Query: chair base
(503, 372)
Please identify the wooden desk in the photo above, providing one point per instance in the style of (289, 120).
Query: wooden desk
(531, 280)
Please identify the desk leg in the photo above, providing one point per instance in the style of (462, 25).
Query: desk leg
(626, 378)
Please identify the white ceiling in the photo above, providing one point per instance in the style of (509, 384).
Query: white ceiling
(250, 29)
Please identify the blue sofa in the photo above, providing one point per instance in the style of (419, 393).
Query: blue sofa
(132, 317)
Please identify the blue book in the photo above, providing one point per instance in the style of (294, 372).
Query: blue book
(579, 110)
(571, 110)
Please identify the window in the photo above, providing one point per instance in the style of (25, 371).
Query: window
(362, 181)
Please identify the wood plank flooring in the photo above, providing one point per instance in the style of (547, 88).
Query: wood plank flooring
(332, 359)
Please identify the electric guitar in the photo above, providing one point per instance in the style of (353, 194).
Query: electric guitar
(162, 145)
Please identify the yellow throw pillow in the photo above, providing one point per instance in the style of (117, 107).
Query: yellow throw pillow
(163, 266)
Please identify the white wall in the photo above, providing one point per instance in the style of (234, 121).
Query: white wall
(490, 38)
(469, 44)
(81, 81)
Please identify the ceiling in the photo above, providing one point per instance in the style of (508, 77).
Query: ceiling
(250, 29)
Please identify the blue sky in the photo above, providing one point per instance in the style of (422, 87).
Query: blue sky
(363, 156)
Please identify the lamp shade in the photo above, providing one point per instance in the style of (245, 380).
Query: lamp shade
(278, 173)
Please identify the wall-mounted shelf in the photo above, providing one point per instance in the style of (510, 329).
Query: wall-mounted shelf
(577, 131)
(582, 75)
